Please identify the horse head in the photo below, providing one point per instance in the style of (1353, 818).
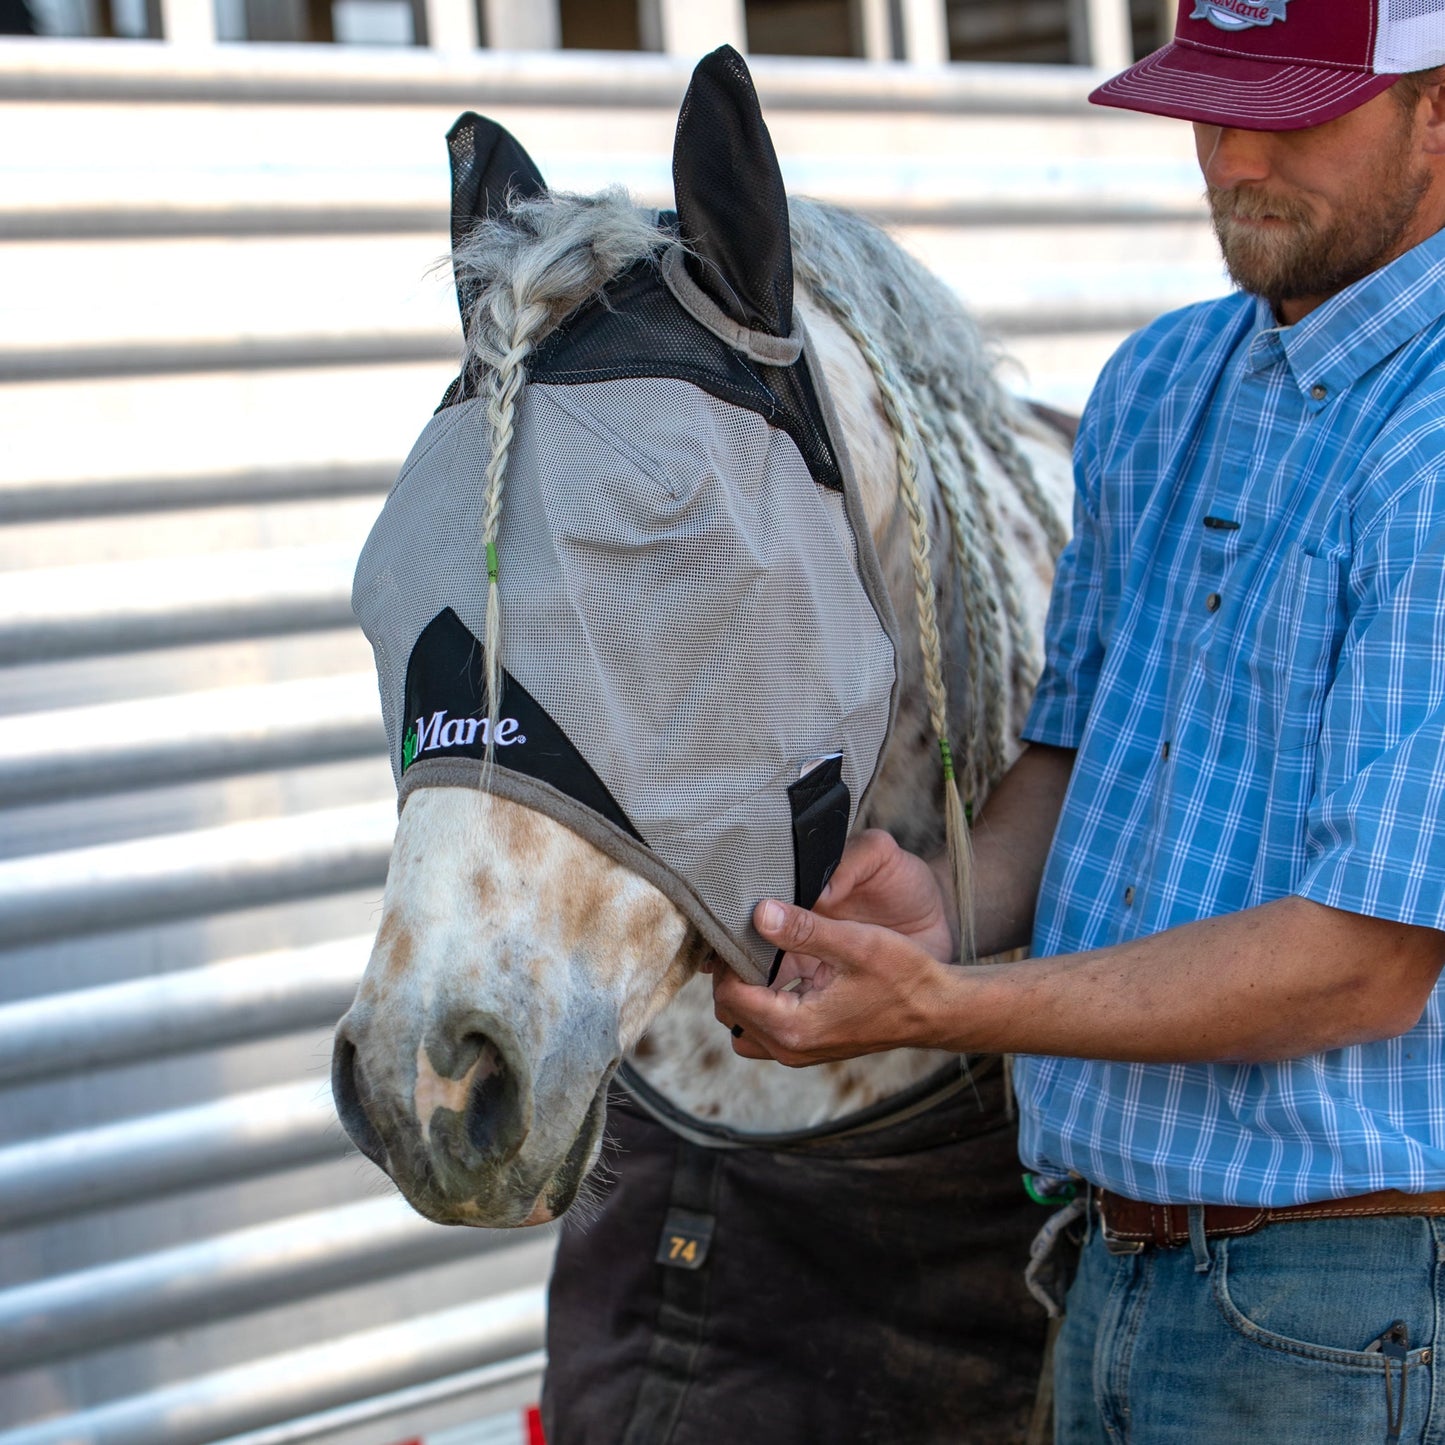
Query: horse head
(611, 700)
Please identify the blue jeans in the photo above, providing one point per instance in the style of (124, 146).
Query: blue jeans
(1264, 1339)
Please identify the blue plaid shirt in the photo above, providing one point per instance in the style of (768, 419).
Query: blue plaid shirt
(1247, 647)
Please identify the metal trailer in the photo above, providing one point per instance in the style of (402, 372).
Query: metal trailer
(217, 338)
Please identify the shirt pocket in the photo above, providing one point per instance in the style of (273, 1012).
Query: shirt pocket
(1295, 643)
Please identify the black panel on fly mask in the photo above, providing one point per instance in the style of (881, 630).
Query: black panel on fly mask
(637, 328)
(446, 717)
(822, 806)
(489, 167)
(732, 207)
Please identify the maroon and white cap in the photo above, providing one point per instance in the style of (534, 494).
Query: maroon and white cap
(1280, 64)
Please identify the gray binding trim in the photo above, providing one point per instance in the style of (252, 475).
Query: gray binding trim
(619, 846)
(953, 1078)
(870, 569)
(757, 346)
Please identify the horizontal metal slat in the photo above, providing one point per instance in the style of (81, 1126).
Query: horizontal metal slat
(255, 997)
(124, 606)
(506, 1330)
(274, 75)
(342, 220)
(74, 497)
(160, 358)
(237, 1137)
(231, 1274)
(144, 358)
(486, 1391)
(115, 747)
(187, 875)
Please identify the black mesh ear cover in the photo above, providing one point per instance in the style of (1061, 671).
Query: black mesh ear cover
(732, 208)
(488, 165)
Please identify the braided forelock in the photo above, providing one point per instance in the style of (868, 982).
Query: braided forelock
(533, 264)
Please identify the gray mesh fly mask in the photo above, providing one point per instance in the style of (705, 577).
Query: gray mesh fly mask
(699, 669)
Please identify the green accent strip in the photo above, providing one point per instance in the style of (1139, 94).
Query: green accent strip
(947, 755)
(491, 562)
(1064, 1194)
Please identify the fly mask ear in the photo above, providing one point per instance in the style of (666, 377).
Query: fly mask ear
(489, 167)
(731, 206)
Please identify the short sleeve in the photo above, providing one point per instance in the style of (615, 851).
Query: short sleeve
(1376, 824)
(1073, 648)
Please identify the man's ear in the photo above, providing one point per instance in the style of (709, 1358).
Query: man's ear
(1431, 107)
(731, 206)
(489, 167)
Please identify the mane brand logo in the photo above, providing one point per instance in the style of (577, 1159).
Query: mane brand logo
(428, 735)
(1239, 14)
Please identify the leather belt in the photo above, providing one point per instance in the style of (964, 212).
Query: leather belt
(1130, 1225)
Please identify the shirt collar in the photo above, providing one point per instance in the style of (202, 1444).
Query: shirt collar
(1338, 342)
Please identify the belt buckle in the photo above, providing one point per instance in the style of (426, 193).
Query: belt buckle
(1114, 1243)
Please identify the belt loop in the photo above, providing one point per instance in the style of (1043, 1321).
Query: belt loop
(1197, 1239)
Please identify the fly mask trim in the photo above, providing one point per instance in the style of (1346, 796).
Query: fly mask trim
(755, 345)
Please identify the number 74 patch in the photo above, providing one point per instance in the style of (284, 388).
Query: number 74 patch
(686, 1239)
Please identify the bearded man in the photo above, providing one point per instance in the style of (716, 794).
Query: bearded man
(1227, 832)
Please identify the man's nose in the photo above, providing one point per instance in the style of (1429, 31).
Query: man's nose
(1230, 157)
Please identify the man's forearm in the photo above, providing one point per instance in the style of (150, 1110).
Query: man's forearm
(1282, 980)
(1011, 839)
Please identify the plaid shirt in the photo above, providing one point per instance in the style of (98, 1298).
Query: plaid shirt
(1247, 647)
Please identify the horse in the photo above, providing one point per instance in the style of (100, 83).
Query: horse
(753, 1252)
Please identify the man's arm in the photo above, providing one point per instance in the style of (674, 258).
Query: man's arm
(1275, 981)
(1011, 842)
(1282, 980)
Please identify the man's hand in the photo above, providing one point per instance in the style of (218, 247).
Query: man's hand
(872, 989)
(877, 882)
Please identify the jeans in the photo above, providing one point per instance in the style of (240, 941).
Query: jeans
(1305, 1333)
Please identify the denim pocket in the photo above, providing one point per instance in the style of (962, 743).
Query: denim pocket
(1257, 1282)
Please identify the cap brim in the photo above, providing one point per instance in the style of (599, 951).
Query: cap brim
(1191, 83)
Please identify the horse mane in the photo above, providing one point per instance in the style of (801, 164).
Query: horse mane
(534, 263)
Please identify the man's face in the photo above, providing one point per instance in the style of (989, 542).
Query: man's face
(1302, 214)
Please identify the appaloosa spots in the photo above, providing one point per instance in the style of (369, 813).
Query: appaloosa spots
(484, 892)
(395, 947)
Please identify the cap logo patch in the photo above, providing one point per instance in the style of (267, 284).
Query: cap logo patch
(1239, 14)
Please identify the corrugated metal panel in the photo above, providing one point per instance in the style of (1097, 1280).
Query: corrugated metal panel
(227, 341)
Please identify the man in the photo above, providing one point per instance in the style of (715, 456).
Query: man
(1237, 753)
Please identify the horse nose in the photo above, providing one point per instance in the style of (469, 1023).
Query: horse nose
(347, 1092)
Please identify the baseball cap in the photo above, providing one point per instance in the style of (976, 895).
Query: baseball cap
(1280, 64)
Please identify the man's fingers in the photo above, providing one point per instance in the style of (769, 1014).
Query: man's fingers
(797, 930)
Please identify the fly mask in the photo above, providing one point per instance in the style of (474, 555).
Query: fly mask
(697, 664)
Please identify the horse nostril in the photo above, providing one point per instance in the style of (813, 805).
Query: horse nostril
(493, 1124)
(346, 1091)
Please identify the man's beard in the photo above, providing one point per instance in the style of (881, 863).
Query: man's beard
(1303, 259)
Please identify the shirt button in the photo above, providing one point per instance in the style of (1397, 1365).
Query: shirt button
(1164, 752)
(1319, 392)
(1129, 897)
(1211, 603)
